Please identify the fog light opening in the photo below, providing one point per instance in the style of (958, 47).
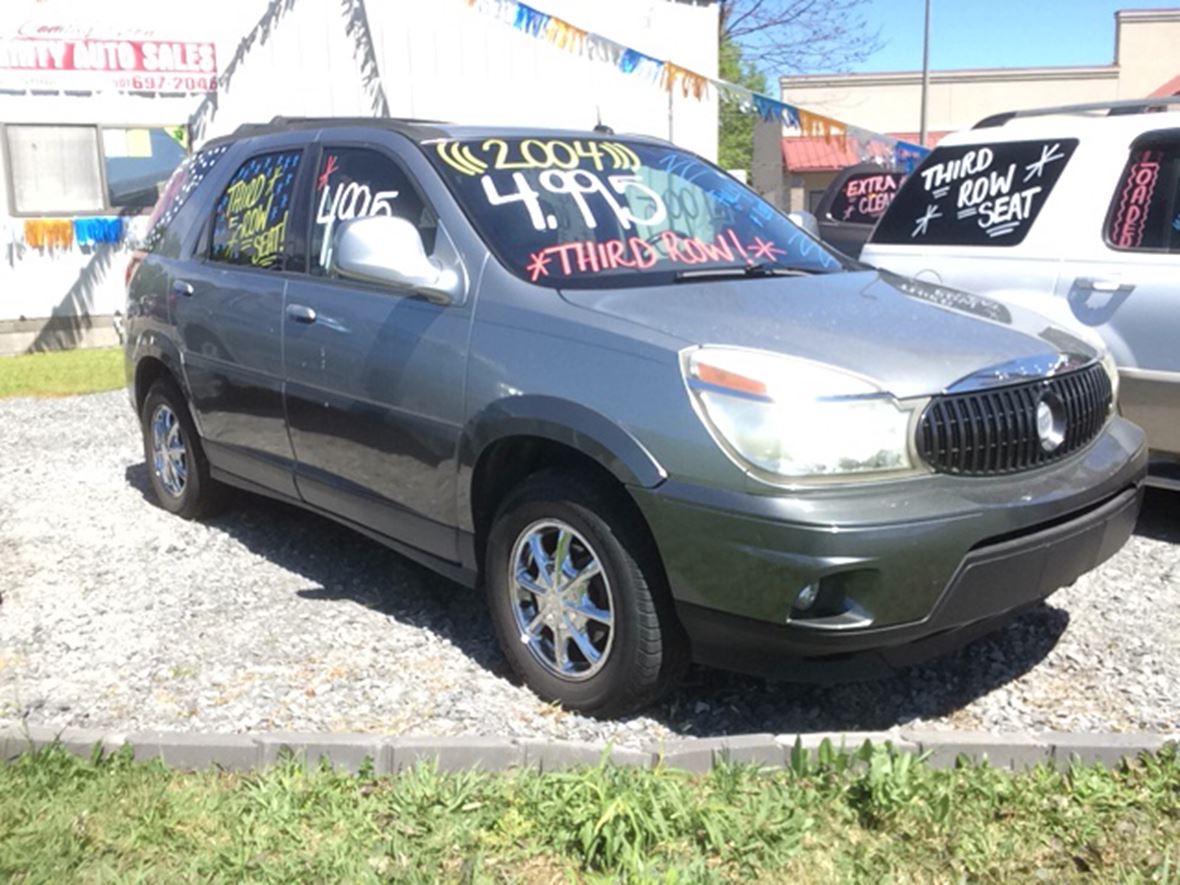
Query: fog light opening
(838, 598)
(807, 597)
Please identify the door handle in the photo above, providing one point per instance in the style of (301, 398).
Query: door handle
(180, 287)
(1095, 284)
(300, 314)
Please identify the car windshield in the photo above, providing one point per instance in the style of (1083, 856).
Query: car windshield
(597, 213)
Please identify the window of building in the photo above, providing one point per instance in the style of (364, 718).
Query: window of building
(975, 195)
(354, 182)
(55, 169)
(1144, 213)
(87, 170)
(250, 219)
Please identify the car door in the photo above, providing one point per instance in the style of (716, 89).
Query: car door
(374, 374)
(1130, 290)
(228, 305)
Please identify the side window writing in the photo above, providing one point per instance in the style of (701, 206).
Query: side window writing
(357, 182)
(1144, 214)
(864, 197)
(250, 219)
(975, 195)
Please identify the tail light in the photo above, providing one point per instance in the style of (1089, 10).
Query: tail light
(133, 264)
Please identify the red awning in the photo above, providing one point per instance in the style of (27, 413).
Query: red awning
(1172, 87)
(814, 153)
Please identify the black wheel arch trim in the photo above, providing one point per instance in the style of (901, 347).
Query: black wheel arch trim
(153, 345)
(561, 421)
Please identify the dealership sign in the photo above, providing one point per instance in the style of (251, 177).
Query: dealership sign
(60, 58)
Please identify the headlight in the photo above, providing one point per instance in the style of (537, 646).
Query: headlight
(787, 419)
(1112, 372)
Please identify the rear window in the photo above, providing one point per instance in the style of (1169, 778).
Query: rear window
(975, 195)
(184, 181)
(864, 197)
(1145, 212)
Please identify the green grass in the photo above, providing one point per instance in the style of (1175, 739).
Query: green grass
(61, 373)
(875, 816)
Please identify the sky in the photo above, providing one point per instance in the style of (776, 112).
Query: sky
(996, 33)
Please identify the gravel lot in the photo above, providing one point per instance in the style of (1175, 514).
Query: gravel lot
(115, 614)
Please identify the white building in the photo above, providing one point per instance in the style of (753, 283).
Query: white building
(99, 102)
(795, 170)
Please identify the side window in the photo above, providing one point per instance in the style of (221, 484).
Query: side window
(864, 197)
(250, 219)
(975, 195)
(184, 181)
(355, 182)
(1144, 213)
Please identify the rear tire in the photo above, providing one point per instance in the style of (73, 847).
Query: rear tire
(176, 463)
(596, 634)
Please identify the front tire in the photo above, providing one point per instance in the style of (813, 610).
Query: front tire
(577, 597)
(177, 467)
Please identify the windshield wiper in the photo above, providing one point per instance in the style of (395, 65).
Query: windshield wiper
(761, 269)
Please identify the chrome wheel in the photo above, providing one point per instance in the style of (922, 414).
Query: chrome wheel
(561, 599)
(169, 455)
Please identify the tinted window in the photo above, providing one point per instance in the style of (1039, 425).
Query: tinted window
(591, 213)
(975, 195)
(250, 220)
(138, 161)
(864, 197)
(1145, 212)
(184, 181)
(355, 182)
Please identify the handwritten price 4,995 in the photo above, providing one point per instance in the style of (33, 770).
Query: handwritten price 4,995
(533, 153)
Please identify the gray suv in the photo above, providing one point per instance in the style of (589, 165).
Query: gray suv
(602, 380)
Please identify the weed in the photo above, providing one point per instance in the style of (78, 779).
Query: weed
(829, 816)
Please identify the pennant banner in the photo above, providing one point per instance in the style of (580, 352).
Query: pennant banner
(89, 231)
(867, 145)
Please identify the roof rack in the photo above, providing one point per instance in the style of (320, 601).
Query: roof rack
(1112, 108)
(280, 122)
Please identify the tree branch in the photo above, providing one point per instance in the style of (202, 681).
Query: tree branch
(789, 36)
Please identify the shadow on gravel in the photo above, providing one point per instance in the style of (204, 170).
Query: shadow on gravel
(137, 477)
(342, 566)
(712, 702)
(1160, 517)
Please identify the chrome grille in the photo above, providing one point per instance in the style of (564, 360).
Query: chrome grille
(994, 431)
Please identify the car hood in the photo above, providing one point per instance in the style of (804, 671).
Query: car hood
(912, 338)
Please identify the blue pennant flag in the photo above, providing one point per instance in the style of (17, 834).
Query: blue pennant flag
(530, 20)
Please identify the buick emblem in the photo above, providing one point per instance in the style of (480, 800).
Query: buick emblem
(1050, 422)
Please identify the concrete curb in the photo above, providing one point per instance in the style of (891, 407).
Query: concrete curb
(246, 752)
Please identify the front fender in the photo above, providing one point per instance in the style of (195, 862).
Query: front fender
(561, 421)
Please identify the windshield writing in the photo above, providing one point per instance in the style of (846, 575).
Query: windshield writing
(590, 212)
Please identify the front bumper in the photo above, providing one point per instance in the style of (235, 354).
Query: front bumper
(905, 570)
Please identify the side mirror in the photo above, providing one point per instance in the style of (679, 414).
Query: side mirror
(805, 220)
(388, 251)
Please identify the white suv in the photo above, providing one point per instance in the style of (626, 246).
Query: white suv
(1067, 210)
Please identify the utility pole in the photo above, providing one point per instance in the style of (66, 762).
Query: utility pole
(925, 74)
